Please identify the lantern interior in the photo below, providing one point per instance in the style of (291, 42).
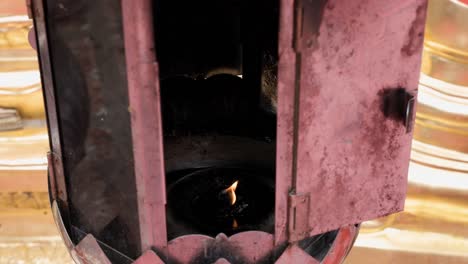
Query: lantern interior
(217, 69)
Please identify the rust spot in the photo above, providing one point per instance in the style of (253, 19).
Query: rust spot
(415, 37)
(394, 102)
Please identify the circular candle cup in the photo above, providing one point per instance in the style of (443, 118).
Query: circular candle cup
(200, 201)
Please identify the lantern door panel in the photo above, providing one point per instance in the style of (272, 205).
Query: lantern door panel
(80, 45)
(349, 103)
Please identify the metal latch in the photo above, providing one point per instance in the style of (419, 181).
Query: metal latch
(409, 120)
(298, 216)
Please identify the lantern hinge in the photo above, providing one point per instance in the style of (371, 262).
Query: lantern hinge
(298, 216)
(307, 20)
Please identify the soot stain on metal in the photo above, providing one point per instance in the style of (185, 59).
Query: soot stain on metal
(382, 138)
(393, 103)
(415, 37)
(383, 144)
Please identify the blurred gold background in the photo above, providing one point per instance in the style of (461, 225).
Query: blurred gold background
(432, 229)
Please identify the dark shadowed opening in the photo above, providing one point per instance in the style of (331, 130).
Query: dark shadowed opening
(217, 62)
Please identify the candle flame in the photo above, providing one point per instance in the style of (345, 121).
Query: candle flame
(231, 192)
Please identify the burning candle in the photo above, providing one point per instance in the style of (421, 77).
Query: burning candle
(231, 192)
(221, 200)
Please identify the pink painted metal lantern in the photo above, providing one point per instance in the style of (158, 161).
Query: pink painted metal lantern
(226, 132)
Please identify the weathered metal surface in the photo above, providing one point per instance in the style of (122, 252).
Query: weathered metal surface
(49, 97)
(183, 249)
(294, 254)
(356, 68)
(144, 99)
(285, 122)
(298, 216)
(149, 258)
(253, 245)
(90, 252)
(244, 247)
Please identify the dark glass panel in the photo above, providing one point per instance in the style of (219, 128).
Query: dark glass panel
(88, 64)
